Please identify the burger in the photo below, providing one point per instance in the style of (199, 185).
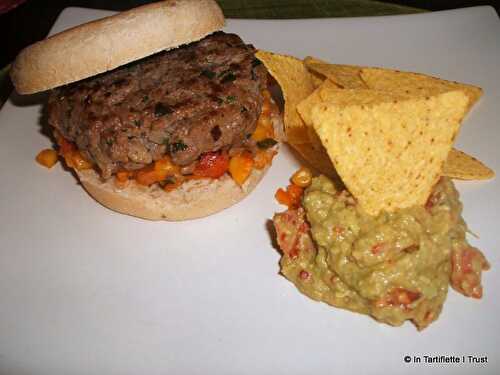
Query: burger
(160, 114)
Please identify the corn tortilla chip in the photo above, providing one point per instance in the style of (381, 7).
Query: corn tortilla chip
(389, 149)
(314, 60)
(416, 84)
(318, 160)
(465, 167)
(305, 106)
(362, 97)
(296, 84)
(317, 79)
(345, 76)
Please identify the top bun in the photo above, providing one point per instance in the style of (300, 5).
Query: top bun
(102, 45)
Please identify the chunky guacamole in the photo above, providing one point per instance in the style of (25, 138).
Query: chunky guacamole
(394, 266)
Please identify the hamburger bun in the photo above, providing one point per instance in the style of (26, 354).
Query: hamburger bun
(99, 46)
(103, 45)
(193, 199)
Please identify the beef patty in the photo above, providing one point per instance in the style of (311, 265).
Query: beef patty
(201, 97)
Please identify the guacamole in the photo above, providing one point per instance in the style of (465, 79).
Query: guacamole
(394, 266)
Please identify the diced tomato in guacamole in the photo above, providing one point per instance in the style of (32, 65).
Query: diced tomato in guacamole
(394, 266)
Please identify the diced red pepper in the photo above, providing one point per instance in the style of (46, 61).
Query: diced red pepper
(304, 275)
(377, 248)
(295, 193)
(212, 165)
(467, 266)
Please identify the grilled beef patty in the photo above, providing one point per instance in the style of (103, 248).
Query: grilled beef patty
(204, 96)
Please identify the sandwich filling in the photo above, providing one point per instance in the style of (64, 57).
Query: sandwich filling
(191, 110)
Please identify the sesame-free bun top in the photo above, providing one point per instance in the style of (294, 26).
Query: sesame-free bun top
(102, 45)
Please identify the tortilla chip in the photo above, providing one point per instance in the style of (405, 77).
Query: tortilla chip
(416, 84)
(296, 84)
(317, 79)
(389, 148)
(465, 167)
(305, 106)
(345, 76)
(318, 160)
(314, 60)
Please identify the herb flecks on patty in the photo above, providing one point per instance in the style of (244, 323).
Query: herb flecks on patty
(192, 96)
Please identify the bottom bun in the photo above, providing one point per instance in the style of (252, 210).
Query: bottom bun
(193, 199)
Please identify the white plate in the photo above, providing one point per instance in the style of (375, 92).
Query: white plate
(86, 291)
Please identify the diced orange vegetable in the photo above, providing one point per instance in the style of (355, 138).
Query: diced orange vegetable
(47, 158)
(123, 175)
(122, 178)
(157, 172)
(72, 157)
(264, 129)
(164, 168)
(283, 197)
(291, 197)
(77, 161)
(147, 176)
(240, 167)
(212, 164)
(295, 193)
(263, 158)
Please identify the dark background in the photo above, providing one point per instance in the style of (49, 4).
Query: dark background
(32, 20)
